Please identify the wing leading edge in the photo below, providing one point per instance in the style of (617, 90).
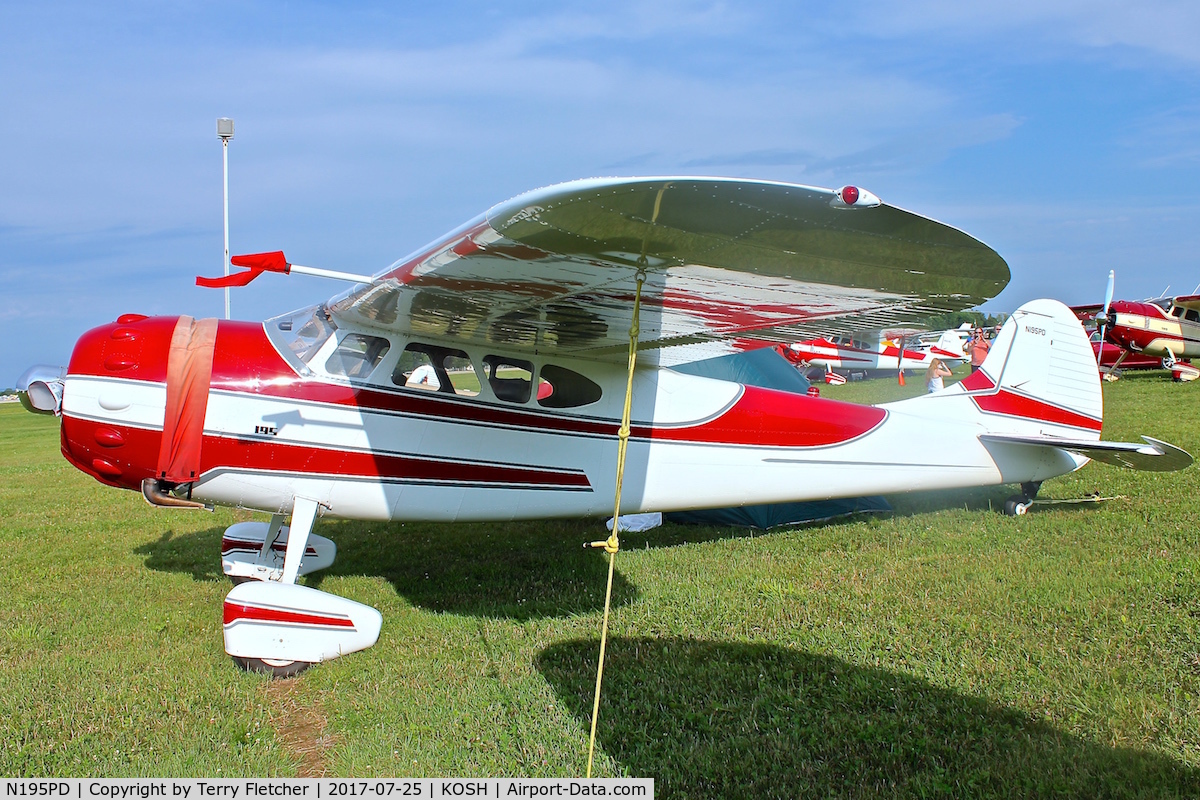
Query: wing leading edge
(729, 264)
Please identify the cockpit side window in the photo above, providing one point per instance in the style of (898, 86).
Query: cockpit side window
(436, 369)
(559, 387)
(511, 379)
(357, 355)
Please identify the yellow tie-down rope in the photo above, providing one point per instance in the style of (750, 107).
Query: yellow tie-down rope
(613, 543)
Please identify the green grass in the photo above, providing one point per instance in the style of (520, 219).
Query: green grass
(941, 650)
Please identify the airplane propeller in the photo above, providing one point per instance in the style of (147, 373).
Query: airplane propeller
(1102, 317)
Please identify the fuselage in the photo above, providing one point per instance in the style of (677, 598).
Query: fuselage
(848, 355)
(1158, 328)
(334, 416)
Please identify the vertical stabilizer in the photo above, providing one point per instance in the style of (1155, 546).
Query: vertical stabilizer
(1041, 369)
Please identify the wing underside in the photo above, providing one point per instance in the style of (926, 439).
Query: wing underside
(728, 265)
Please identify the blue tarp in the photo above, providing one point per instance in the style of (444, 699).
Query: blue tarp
(770, 370)
(776, 514)
(764, 367)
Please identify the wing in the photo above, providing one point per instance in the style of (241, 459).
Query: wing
(730, 265)
(1087, 313)
(1190, 302)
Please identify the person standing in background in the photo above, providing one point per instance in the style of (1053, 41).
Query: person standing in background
(979, 349)
(935, 376)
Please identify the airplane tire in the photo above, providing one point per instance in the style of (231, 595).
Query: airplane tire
(1017, 506)
(276, 669)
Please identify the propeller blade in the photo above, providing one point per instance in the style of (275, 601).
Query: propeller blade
(1102, 317)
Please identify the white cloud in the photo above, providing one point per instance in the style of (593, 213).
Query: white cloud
(1031, 28)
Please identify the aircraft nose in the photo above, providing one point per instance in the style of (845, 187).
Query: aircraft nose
(113, 413)
(40, 389)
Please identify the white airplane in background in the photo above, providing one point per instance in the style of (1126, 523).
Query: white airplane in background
(525, 316)
(888, 352)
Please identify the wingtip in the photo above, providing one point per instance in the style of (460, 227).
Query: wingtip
(1175, 458)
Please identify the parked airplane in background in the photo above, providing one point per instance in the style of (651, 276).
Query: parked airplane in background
(1162, 332)
(889, 352)
(550, 324)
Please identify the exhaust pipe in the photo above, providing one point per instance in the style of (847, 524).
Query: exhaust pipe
(158, 494)
(40, 389)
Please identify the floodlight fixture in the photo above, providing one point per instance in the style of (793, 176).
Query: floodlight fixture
(224, 128)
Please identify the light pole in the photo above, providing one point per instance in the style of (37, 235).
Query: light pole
(225, 133)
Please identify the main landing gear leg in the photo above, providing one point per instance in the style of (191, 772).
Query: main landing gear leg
(1113, 372)
(1019, 504)
(272, 534)
(304, 513)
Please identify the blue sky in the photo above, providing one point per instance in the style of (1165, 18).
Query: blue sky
(1064, 134)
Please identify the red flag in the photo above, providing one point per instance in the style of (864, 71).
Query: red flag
(257, 264)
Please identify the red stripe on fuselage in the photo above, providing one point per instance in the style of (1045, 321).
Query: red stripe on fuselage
(138, 456)
(765, 417)
(1011, 404)
(977, 381)
(275, 456)
(246, 361)
(1017, 405)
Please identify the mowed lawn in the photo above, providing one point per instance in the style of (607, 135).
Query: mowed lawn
(943, 649)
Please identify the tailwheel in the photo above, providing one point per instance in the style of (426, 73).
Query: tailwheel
(1017, 505)
(271, 666)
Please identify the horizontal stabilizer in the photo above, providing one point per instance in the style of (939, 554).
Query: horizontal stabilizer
(1153, 456)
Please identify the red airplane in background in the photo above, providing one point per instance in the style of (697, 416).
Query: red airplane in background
(1149, 334)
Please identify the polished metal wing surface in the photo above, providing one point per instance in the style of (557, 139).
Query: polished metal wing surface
(729, 265)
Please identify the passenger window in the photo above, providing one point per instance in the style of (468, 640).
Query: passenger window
(436, 369)
(509, 378)
(356, 356)
(559, 387)
(1192, 315)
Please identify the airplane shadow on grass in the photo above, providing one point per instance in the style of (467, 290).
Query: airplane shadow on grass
(516, 570)
(506, 570)
(714, 719)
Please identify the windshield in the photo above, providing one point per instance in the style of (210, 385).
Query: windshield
(302, 332)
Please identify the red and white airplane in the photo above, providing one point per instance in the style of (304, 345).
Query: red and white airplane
(525, 316)
(1165, 330)
(890, 352)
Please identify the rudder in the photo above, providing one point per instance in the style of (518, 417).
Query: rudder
(1041, 368)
